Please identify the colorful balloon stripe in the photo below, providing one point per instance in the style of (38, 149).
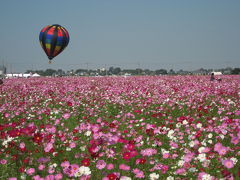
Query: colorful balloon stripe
(53, 39)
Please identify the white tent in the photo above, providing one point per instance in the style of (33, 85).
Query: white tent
(21, 75)
(35, 75)
(217, 73)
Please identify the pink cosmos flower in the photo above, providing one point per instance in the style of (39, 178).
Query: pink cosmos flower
(57, 122)
(6, 115)
(140, 175)
(49, 177)
(173, 144)
(238, 113)
(164, 168)
(235, 140)
(58, 176)
(148, 152)
(51, 170)
(71, 170)
(166, 155)
(174, 156)
(222, 151)
(72, 145)
(65, 164)
(101, 164)
(180, 171)
(136, 170)
(228, 163)
(188, 157)
(124, 167)
(206, 150)
(66, 116)
(217, 146)
(12, 178)
(30, 171)
(48, 147)
(3, 161)
(110, 166)
(37, 177)
(41, 167)
(200, 175)
(22, 145)
(85, 177)
(51, 129)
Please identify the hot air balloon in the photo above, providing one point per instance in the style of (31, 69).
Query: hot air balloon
(53, 39)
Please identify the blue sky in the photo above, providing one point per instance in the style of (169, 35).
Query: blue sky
(154, 34)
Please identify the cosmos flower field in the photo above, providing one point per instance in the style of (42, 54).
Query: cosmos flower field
(146, 127)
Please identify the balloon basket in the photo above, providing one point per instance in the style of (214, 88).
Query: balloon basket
(49, 62)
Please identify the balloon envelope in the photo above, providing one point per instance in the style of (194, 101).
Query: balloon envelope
(53, 39)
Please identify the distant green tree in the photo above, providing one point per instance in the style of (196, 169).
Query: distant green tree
(130, 71)
(60, 72)
(81, 71)
(111, 70)
(116, 70)
(161, 71)
(49, 72)
(235, 71)
(139, 71)
(171, 71)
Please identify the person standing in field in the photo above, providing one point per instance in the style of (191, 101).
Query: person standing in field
(212, 78)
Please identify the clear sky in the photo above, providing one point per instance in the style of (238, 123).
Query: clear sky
(153, 34)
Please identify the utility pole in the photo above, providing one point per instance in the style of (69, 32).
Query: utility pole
(87, 67)
(138, 68)
(11, 68)
(106, 69)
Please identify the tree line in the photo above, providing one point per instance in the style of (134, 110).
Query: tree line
(137, 71)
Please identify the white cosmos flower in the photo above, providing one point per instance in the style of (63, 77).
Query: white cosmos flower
(199, 125)
(164, 151)
(180, 163)
(88, 133)
(201, 157)
(23, 176)
(170, 178)
(170, 133)
(68, 149)
(191, 144)
(83, 170)
(178, 125)
(221, 136)
(185, 122)
(210, 141)
(204, 143)
(210, 135)
(83, 148)
(9, 139)
(125, 178)
(53, 165)
(235, 160)
(206, 177)
(200, 150)
(154, 176)
(192, 170)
